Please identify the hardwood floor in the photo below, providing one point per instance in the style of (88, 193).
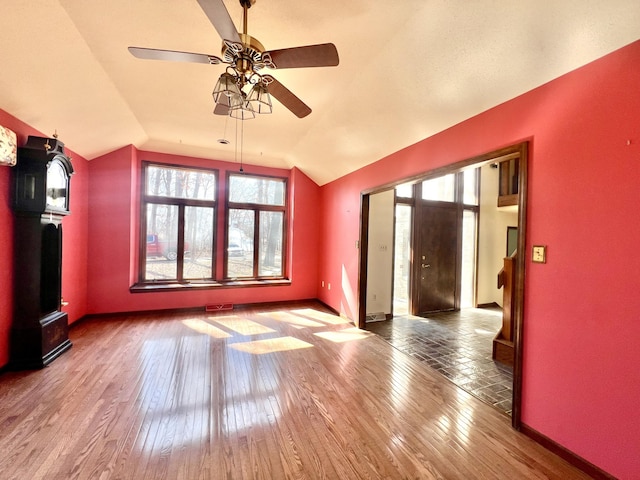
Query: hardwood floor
(286, 392)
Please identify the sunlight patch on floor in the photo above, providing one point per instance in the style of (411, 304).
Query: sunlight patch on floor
(271, 345)
(295, 320)
(321, 316)
(346, 335)
(481, 331)
(241, 325)
(201, 326)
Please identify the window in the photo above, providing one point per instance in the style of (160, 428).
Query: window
(470, 186)
(255, 227)
(180, 236)
(440, 188)
(404, 191)
(177, 221)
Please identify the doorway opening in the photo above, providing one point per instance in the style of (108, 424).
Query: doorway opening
(443, 273)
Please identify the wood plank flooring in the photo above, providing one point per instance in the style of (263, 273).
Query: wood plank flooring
(279, 393)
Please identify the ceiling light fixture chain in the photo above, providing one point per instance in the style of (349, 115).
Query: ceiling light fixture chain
(241, 143)
(241, 146)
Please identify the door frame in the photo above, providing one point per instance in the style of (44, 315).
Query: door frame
(520, 151)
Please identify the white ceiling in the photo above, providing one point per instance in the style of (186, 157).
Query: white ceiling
(408, 70)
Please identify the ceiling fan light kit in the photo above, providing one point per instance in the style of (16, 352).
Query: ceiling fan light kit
(241, 91)
(227, 87)
(259, 99)
(244, 112)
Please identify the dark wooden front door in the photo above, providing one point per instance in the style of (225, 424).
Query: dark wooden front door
(436, 261)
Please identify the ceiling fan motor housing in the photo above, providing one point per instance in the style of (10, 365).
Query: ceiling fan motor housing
(247, 60)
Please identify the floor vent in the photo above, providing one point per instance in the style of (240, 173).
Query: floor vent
(216, 307)
(376, 317)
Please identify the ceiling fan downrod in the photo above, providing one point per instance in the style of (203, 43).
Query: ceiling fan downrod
(246, 5)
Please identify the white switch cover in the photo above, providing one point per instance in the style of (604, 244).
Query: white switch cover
(539, 254)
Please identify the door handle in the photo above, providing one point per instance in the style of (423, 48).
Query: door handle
(426, 265)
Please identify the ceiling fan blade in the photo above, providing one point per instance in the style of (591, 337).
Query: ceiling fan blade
(173, 56)
(286, 98)
(322, 55)
(219, 17)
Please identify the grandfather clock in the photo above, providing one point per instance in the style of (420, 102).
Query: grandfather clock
(40, 330)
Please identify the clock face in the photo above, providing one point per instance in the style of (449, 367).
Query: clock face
(57, 182)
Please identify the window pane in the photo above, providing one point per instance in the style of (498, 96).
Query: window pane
(181, 183)
(198, 243)
(441, 188)
(270, 244)
(405, 190)
(402, 260)
(470, 195)
(263, 191)
(240, 244)
(162, 242)
(469, 221)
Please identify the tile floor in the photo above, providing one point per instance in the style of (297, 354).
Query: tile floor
(458, 345)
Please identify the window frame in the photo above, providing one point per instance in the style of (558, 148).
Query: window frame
(256, 208)
(181, 203)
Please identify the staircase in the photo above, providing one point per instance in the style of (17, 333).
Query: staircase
(503, 341)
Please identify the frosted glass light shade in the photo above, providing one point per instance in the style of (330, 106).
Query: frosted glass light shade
(260, 99)
(226, 86)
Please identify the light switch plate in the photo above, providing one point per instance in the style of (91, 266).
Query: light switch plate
(539, 254)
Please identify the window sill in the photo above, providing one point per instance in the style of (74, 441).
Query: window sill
(176, 287)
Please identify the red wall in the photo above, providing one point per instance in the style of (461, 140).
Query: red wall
(582, 308)
(113, 238)
(74, 247)
(581, 355)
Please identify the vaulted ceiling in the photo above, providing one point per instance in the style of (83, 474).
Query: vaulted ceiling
(407, 70)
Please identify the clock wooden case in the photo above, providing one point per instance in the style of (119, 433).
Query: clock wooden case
(40, 331)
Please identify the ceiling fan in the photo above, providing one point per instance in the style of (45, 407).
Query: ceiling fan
(242, 90)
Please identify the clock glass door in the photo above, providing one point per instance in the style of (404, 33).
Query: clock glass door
(56, 186)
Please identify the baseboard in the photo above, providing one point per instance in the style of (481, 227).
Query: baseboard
(94, 316)
(488, 305)
(567, 455)
(236, 306)
(332, 310)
